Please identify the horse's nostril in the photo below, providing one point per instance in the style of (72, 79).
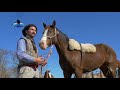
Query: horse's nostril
(42, 43)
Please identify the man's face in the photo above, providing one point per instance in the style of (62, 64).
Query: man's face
(31, 31)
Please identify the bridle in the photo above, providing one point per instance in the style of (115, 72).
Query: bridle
(50, 51)
(50, 37)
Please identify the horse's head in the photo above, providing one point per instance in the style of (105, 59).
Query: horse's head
(49, 35)
(48, 74)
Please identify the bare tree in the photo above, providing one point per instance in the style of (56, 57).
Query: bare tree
(13, 61)
(3, 63)
(8, 64)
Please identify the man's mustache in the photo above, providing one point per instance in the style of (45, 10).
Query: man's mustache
(33, 33)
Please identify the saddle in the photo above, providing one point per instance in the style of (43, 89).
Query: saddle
(87, 47)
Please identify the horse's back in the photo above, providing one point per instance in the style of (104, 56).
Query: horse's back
(107, 50)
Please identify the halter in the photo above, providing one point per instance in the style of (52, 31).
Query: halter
(51, 42)
(51, 36)
(50, 52)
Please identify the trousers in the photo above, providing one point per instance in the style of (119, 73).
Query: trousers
(28, 72)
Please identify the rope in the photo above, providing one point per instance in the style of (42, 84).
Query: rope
(50, 52)
(46, 60)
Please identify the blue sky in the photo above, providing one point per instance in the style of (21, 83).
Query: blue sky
(85, 27)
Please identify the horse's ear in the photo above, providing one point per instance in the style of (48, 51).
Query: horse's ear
(44, 25)
(54, 23)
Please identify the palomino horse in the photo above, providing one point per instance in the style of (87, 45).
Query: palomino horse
(78, 62)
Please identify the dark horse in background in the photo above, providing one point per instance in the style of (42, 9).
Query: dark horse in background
(48, 74)
(77, 62)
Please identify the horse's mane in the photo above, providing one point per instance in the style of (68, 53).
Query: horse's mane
(64, 38)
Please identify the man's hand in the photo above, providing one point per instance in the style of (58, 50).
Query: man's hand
(39, 60)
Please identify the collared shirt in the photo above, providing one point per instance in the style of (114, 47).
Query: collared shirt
(21, 52)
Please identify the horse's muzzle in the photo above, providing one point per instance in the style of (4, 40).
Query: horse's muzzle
(42, 45)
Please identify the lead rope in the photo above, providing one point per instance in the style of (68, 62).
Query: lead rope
(50, 52)
(46, 60)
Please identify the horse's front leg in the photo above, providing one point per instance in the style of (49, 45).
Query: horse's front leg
(78, 73)
(67, 74)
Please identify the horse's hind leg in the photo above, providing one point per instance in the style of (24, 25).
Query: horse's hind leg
(112, 69)
(109, 71)
(104, 69)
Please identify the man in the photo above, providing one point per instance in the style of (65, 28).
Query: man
(27, 54)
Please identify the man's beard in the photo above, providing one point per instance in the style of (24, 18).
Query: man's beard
(32, 35)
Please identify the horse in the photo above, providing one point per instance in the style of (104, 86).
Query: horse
(78, 62)
(48, 74)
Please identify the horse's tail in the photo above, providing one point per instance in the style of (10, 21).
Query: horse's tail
(118, 70)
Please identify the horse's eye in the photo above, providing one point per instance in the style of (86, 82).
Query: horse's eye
(50, 30)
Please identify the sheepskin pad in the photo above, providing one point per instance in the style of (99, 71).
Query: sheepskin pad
(74, 45)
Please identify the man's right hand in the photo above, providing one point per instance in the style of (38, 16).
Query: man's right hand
(39, 60)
